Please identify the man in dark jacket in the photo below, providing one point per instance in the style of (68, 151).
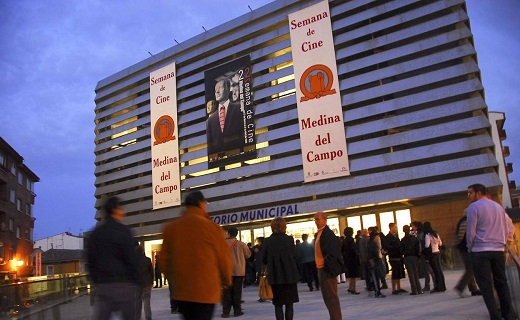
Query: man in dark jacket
(329, 263)
(395, 255)
(411, 249)
(114, 265)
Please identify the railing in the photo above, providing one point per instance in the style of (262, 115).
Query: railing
(38, 295)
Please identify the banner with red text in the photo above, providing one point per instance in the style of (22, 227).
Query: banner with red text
(166, 187)
(320, 116)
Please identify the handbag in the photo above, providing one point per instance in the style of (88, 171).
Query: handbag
(264, 288)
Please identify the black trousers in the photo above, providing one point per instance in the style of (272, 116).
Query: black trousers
(195, 310)
(311, 274)
(231, 296)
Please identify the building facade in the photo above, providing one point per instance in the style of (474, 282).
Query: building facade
(16, 213)
(416, 122)
(64, 240)
(63, 261)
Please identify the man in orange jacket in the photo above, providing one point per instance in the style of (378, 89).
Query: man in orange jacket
(196, 259)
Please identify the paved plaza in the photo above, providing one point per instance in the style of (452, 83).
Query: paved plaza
(447, 305)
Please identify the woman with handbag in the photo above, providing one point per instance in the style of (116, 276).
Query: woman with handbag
(279, 255)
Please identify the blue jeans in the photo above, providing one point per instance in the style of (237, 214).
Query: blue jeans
(489, 269)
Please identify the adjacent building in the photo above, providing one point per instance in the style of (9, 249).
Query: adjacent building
(16, 213)
(416, 123)
(63, 261)
(64, 240)
(62, 253)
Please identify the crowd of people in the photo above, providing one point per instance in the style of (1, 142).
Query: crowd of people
(204, 268)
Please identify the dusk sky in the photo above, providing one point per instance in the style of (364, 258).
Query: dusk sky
(53, 53)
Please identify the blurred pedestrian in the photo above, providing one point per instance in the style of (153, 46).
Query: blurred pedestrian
(196, 259)
(113, 264)
(468, 278)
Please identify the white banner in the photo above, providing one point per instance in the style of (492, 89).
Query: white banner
(165, 143)
(322, 131)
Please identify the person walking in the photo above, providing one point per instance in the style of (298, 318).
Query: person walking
(468, 278)
(146, 269)
(374, 263)
(279, 257)
(488, 231)
(196, 259)
(329, 263)
(113, 264)
(232, 295)
(433, 243)
(305, 253)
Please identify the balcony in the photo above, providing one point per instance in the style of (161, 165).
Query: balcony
(502, 134)
(505, 151)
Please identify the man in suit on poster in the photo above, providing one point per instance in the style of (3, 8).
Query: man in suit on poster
(225, 127)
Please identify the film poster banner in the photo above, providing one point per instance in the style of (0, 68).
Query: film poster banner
(320, 116)
(230, 125)
(165, 142)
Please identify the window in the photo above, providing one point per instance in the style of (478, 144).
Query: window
(27, 235)
(3, 160)
(354, 222)
(386, 218)
(19, 205)
(20, 178)
(13, 169)
(50, 270)
(12, 196)
(369, 220)
(28, 184)
(11, 225)
(28, 209)
(18, 232)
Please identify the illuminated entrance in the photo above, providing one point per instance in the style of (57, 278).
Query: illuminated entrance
(359, 222)
(401, 217)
